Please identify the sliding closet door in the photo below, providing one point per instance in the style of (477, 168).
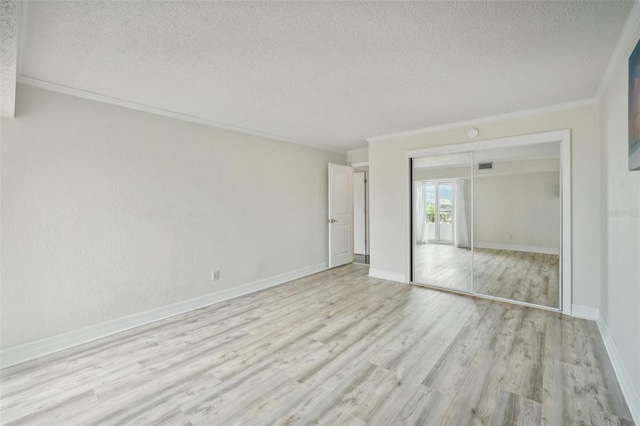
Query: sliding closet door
(442, 221)
(517, 223)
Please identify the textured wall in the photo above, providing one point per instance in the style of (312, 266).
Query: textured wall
(108, 212)
(387, 164)
(621, 221)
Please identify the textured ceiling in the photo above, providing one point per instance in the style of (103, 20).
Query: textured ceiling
(8, 57)
(326, 73)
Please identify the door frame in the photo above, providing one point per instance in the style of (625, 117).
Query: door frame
(365, 211)
(363, 166)
(561, 136)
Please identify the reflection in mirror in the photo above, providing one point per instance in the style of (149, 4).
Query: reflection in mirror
(441, 221)
(517, 223)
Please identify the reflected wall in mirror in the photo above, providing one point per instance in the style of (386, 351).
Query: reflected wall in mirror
(442, 221)
(517, 223)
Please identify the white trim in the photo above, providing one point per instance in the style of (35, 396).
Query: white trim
(485, 120)
(387, 275)
(528, 249)
(585, 312)
(485, 296)
(360, 164)
(619, 52)
(39, 348)
(473, 222)
(409, 202)
(629, 390)
(562, 136)
(566, 245)
(506, 142)
(158, 111)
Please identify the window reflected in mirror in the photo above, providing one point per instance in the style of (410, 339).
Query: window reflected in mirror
(441, 216)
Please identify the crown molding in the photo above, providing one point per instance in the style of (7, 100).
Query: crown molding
(41, 84)
(365, 149)
(619, 52)
(486, 120)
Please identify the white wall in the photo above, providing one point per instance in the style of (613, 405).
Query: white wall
(387, 176)
(108, 212)
(358, 156)
(620, 214)
(518, 210)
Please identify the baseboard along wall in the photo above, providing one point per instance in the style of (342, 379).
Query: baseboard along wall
(630, 392)
(32, 350)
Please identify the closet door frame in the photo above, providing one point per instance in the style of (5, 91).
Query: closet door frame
(561, 136)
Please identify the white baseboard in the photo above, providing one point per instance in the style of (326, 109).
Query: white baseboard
(585, 312)
(629, 390)
(38, 348)
(387, 275)
(528, 249)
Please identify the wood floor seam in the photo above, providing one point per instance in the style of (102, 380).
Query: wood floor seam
(333, 348)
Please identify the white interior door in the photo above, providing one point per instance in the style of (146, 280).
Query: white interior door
(340, 215)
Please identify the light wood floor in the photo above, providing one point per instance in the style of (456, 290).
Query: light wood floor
(522, 276)
(333, 348)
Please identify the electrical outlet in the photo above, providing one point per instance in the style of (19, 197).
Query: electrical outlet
(215, 275)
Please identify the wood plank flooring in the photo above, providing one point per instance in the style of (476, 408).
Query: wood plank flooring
(523, 276)
(333, 348)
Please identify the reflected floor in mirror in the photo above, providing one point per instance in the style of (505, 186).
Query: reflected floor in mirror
(522, 276)
(443, 265)
(517, 275)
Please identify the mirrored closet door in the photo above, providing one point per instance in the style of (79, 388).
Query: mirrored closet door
(488, 222)
(516, 233)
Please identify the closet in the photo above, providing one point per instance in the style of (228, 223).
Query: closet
(487, 219)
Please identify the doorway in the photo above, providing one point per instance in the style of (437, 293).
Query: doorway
(361, 214)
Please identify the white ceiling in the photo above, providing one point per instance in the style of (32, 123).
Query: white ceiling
(325, 73)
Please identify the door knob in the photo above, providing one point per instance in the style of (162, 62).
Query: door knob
(332, 221)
